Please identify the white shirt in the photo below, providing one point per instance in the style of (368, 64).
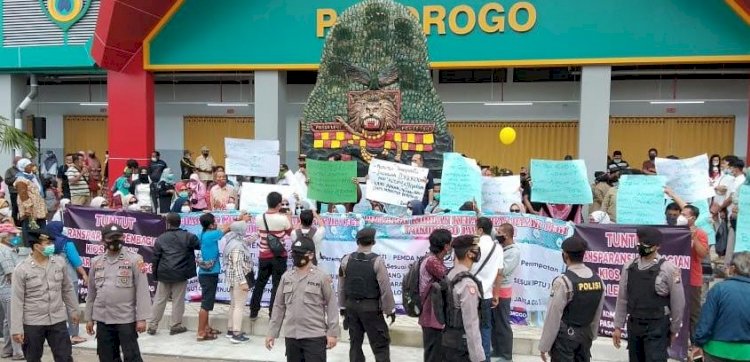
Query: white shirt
(317, 238)
(494, 264)
(727, 181)
(734, 191)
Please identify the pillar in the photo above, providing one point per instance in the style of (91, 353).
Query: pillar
(270, 112)
(130, 116)
(13, 90)
(593, 127)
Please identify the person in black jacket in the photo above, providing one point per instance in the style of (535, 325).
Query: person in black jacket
(165, 190)
(173, 265)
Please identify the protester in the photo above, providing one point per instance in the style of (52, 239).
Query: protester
(173, 264)
(599, 217)
(208, 274)
(273, 227)
(238, 276)
(156, 166)
(10, 240)
(651, 297)
(49, 165)
(599, 190)
(51, 195)
(649, 167)
(38, 308)
(714, 170)
(197, 193)
(365, 295)
(307, 303)
(574, 308)
(414, 208)
(78, 180)
(118, 301)
(502, 336)
(489, 271)
(432, 270)
(95, 173)
(223, 194)
(99, 203)
(32, 211)
(434, 206)
(141, 189)
(165, 190)
(723, 330)
(573, 213)
(516, 208)
(417, 160)
(204, 166)
(58, 215)
(187, 167)
(10, 180)
(315, 232)
(617, 163)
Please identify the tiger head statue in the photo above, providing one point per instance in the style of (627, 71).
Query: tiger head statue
(373, 110)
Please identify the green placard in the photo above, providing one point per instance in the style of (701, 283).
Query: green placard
(331, 181)
(266, 34)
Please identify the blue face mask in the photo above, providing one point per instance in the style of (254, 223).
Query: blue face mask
(16, 241)
(48, 250)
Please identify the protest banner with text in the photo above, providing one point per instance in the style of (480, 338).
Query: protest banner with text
(742, 242)
(640, 200)
(688, 177)
(331, 181)
(395, 183)
(560, 182)
(498, 193)
(253, 196)
(248, 157)
(461, 181)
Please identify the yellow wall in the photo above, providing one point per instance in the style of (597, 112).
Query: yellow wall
(210, 131)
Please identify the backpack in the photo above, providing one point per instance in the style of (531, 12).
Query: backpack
(275, 245)
(410, 289)
(443, 305)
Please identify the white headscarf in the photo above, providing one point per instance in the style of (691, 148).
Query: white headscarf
(599, 217)
(58, 216)
(22, 163)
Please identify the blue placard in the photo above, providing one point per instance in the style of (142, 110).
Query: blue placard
(560, 182)
(640, 200)
(743, 220)
(461, 181)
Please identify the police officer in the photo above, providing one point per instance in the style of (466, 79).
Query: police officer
(365, 295)
(118, 299)
(574, 308)
(462, 339)
(652, 298)
(305, 300)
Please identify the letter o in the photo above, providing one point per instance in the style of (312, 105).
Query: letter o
(470, 22)
(513, 16)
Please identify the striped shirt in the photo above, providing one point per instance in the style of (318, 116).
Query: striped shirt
(280, 226)
(77, 188)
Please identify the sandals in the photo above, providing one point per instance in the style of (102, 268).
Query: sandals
(215, 332)
(77, 340)
(207, 337)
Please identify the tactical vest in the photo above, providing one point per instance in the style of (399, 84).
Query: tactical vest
(361, 279)
(453, 315)
(643, 302)
(587, 293)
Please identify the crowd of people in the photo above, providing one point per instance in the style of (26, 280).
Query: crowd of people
(464, 310)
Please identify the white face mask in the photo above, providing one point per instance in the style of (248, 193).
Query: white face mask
(134, 207)
(414, 164)
(5, 211)
(681, 220)
(231, 206)
(153, 159)
(185, 209)
(716, 163)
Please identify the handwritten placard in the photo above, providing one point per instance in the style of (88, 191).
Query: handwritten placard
(253, 196)
(395, 183)
(743, 220)
(246, 157)
(704, 220)
(461, 181)
(640, 200)
(498, 193)
(331, 181)
(560, 182)
(688, 177)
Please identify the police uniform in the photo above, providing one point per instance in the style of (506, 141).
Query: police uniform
(573, 311)
(365, 294)
(118, 297)
(652, 298)
(306, 305)
(462, 340)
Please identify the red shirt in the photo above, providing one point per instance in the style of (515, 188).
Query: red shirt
(696, 269)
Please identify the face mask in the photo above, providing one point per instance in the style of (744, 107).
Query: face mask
(5, 211)
(170, 178)
(477, 256)
(652, 157)
(16, 241)
(644, 250)
(48, 250)
(436, 197)
(185, 209)
(183, 194)
(617, 159)
(671, 220)
(153, 159)
(143, 178)
(501, 239)
(681, 221)
(409, 212)
(414, 164)
(231, 206)
(134, 207)
(299, 259)
(205, 154)
(114, 245)
(715, 163)
(727, 171)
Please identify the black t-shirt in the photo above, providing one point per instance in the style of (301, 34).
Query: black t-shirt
(427, 188)
(61, 170)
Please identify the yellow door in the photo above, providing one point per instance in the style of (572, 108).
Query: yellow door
(83, 133)
(210, 131)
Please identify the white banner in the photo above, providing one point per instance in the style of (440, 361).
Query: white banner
(533, 278)
(253, 196)
(688, 177)
(247, 157)
(498, 193)
(395, 183)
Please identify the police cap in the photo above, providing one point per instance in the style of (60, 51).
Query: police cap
(303, 245)
(111, 230)
(574, 244)
(366, 235)
(35, 236)
(649, 235)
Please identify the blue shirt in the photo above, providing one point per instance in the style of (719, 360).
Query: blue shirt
(210, 250)
(723, 317)
(71, 252)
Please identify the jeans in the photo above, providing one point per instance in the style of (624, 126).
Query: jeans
(502, 334)
(267, 268)
(485, 327)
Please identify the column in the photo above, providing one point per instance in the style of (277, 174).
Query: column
(270, 113)
(130, 116)
(13, 90)
(593, 127)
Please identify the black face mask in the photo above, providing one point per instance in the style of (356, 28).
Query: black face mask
(501, 239)
(644, 250)
(477, 255)
(143, 178)
(671, 220)
(299, 259)
(651, 157)
(114, 245)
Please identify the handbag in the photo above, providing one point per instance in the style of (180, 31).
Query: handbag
(274, 242)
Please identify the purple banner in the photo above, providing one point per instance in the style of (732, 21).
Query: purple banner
(83, 225)
(611, 246)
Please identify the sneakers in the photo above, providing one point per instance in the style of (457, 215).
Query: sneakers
(177, 330)
(229, 335)
(151, 331)
(239, 338)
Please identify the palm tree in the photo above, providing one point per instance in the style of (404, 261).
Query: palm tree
(14, 138)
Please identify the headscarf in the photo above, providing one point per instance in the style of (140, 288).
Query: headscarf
(417, 208)
(520, 207)
(58, 216)
(177, 205)
(600, 217)
(22, 163)
(8, 228)
(50, 161)
(234, 239)
(168, 177)
(55, 229)
(97, 202)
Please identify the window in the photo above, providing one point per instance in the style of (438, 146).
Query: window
(561, 74)
(473, 76)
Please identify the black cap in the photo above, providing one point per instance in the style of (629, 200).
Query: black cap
(36, 235)
(303, 245)
(366, 234)
(464, 241)
(111, 229)
(574, 244)
(648, 235)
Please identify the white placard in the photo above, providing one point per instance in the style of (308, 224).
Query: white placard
(253, 196)
(688, 177)
(246, 157)
(498, 193)
(395, 183)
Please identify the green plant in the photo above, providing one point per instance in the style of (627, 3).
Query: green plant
(14, 138)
